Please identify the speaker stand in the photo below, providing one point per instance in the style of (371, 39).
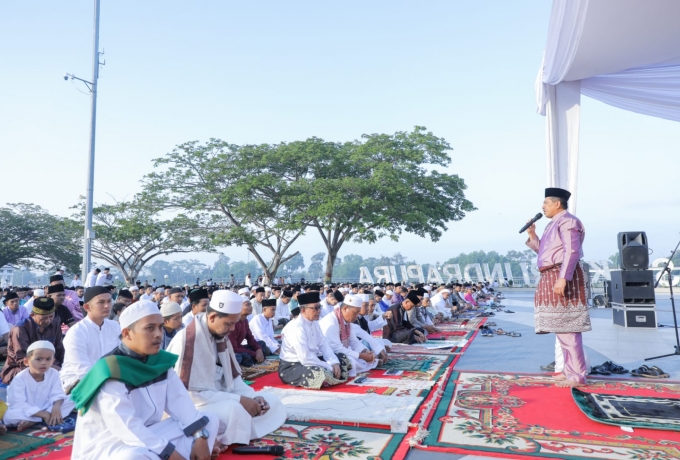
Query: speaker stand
(675, 318)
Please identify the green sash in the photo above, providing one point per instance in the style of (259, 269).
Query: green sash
(127, 370)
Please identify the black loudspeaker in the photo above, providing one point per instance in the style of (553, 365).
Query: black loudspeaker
(632, 287)
(633, 251)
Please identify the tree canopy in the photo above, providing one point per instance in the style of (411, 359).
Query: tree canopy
(33, 237)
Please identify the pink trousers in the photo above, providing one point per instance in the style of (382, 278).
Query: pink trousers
(574, 357)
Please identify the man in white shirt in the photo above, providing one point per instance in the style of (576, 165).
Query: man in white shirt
(208, 368)
(306, 358)
(133, 404)
(75, 282)
(262, 326)
(199, 301)
(91, 279)
(256, 302)
(89, 339)
(282, 309)
(440, 305)
(331, 302)
(103, 277)
(148, 294)
(337, 328)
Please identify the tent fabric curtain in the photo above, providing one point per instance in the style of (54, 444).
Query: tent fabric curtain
(652, 89)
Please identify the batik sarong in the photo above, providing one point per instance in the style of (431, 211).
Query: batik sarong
(561, 314)
(313, 377)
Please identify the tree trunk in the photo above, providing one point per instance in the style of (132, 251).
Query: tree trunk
(330, 262)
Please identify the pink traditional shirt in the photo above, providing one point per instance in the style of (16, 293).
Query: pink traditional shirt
(561, 244)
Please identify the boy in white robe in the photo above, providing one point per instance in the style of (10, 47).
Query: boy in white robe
(208, 368)
(35, 394)
(90, 338)
(262, 325)
(338, 331)
(133, 405)
(282, 308)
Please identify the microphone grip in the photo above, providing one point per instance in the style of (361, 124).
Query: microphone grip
(259, 450)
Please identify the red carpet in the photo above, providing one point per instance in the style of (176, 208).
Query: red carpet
(520, 416)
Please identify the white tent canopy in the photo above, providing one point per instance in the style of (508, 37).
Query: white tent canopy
(625, 53)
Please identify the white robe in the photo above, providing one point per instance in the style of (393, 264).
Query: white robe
(377, 346)
(263, 329)
(188, 318)
(84, 344)
(216, 390)
(90, 280)
(124, 424)
(331, 330)
(303, 342)
(27, 397)
(326, 308)
(282, 311)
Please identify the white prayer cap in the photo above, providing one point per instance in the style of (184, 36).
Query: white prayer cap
(365, 297)
(243, 290)
(38, 293)
(186, 285)
(40, 345)
(427, 287)
(344, 290)
(245, 298)
(389, 292)
(137, 311)
(227, 302)
(267, 288)
(170, 308)
(133, 288)
(160, 291)
(444, 290)
(426, 296)
(353, 301)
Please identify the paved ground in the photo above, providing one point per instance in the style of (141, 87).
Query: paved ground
(625, 346)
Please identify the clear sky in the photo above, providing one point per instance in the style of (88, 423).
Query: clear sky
(257, 72)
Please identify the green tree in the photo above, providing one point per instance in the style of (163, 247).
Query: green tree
(32, 237)
(239, 191)
(316, 267)
(381, 186)
(129, 235)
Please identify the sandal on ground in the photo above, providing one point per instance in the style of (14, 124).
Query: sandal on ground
(549, 367)
(487, 333)
(491, 323)
(500, 331)
(614, 368)
(646, 372)
(514, 334)
(508, 311)
(599, 370)
(660, 372)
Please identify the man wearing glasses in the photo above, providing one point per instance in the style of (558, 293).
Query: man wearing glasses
(306, 358)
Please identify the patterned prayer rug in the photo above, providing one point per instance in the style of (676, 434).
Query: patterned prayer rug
(60, 450)
(314, 441)
(519, 416)
(13, 444)
(271, 364)
(634, 411)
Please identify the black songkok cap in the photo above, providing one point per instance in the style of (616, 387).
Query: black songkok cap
(276, 288)
(413, 297)
(43, 306)
(295, 311)
(195, 295)
(379, 293)
(92, 292)
(286, 293)
(308, 298)
(259, 289)
(338, 296)
(54, 278)
(269, 303)
(55, 288)
(421, 291)
(10, 295)
(175, 290)
(355, 285)
(126, 294)
(557, 192)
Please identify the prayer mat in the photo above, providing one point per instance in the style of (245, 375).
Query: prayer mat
(12, 444)
(344, 407)
(633, 411)
(59, 450)
(316, 441)
(271, 364)
(520, 416)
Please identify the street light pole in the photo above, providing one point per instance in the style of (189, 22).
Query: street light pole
(89, 234)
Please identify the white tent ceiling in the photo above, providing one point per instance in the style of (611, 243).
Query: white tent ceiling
(625, 53)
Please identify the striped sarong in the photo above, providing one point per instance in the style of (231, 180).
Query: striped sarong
(562, 314)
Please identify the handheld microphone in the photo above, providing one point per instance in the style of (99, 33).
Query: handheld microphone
(531, 222)
(268, 450)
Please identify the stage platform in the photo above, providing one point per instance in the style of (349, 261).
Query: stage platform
(606, 342)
